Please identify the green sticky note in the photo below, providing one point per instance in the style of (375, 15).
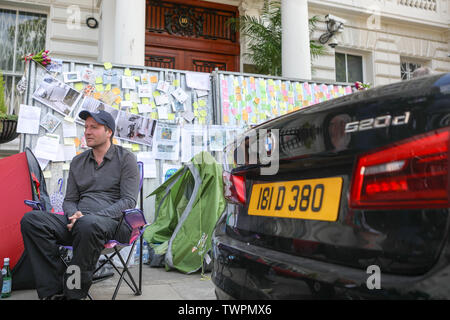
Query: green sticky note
(171, 116)
(127, 72)
(107, 65)
(156, 93)
(134, 109)
(145, 101)
(79, 86)
(98, 80)
(135, 147)
(127, 96)
(99, 88)
(115, 106)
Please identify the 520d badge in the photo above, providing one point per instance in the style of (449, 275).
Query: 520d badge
(378, 122)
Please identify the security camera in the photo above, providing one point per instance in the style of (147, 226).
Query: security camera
(330, 17)
(333, 42)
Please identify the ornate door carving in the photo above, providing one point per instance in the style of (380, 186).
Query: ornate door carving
(191, 35)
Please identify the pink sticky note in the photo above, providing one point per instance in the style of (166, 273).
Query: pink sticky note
(249, 109)
(234, 111)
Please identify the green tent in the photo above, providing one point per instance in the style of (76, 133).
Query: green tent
(187, 208)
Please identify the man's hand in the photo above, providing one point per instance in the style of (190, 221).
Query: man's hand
(77, 215)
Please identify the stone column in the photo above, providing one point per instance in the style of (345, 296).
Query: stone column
(296, 56)
(106, 32)
(129, 30)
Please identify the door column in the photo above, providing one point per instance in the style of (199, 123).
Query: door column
(295, 50)
(129, 29)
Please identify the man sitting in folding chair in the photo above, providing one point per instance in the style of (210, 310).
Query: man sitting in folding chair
(103, 182)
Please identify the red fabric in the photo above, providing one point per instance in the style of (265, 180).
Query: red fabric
(15, 187)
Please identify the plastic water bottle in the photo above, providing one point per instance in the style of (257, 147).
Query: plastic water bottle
(7, 279)
(144, 251)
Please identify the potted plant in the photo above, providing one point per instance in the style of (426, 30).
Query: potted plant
(8, 122)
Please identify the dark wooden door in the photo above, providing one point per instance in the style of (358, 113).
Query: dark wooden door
(191, 35)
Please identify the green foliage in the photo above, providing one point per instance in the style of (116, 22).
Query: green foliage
(3, 107)
(264, 37)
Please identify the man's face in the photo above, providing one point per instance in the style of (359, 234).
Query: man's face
(95, 133)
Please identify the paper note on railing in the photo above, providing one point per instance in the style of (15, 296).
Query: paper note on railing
(47, 147)
(28, 121)
(149, 162)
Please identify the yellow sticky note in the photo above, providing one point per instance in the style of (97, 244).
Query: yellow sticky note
(171, 116)
(135, 147)
(108, 87)
(137, 78)
(195, 104)
(134, 110)
(69, 141)
(115, 106)
(176, 83)
(99, 88)
(244, 115)
(154, 115)
(145, 101)
(127, 72)
(127, 145)
(254, 120)
(127, 97)
(202, 120)
(202, 103)
(79, 86)
(107, 65)
(203, 113)
(98, 80)
(196, 113)
(69, 119)
(156, 93)
(47, 174)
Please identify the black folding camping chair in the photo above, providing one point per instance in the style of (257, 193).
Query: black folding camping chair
(136, 220)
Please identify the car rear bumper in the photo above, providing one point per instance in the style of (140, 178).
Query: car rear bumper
(244, 271)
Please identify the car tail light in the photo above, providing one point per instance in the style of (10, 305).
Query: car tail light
(234, 188)
(410, 174)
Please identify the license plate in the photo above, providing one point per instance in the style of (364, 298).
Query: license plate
(313, 199)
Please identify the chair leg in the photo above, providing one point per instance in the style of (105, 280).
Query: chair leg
(140, 262)
(126, 269)
(109, 259)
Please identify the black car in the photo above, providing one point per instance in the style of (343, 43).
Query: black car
(359, 205)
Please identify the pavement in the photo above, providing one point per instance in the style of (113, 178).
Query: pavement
(157, 284)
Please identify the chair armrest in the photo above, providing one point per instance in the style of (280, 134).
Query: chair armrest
(134, 218)
(35, 205)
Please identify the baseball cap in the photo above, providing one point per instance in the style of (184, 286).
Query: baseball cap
(101, 117)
